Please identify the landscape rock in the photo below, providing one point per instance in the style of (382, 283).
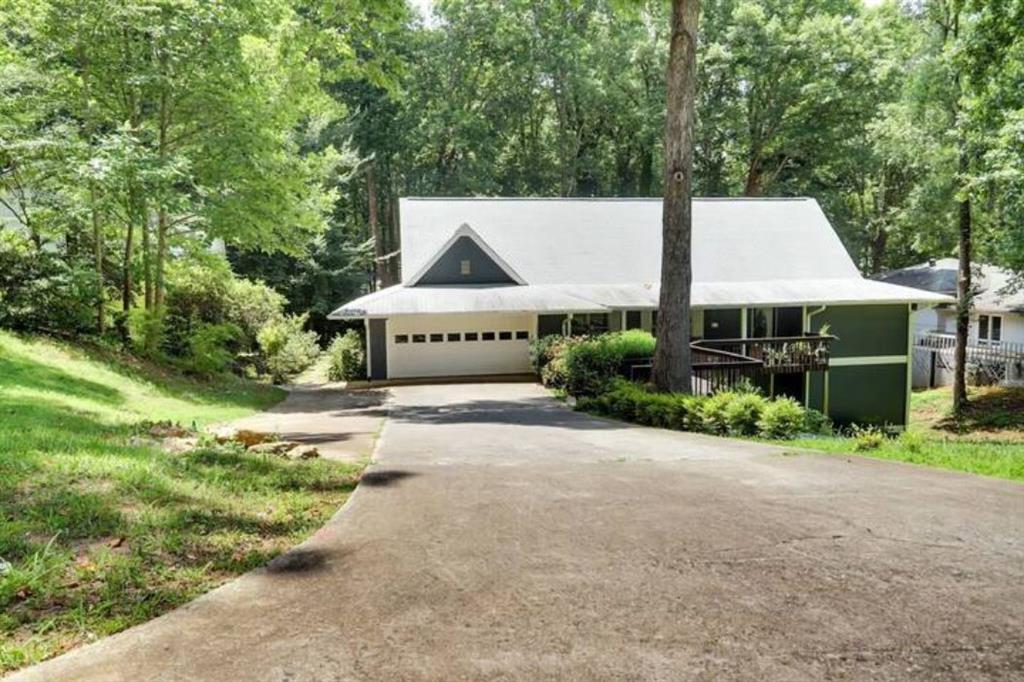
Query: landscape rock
(277, 447)
(303, 452)
(249, 437)
(176, 446)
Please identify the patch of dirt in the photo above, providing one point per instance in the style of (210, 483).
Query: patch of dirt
(993, 413)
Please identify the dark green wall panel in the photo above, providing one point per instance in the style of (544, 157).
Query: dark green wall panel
(448, 269)
(865, 329)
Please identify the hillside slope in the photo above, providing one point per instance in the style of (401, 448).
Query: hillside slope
(100, 529)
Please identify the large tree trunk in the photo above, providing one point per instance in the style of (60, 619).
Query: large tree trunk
(963, 303)
(672, 354)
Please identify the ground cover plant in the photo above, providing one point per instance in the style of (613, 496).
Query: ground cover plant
(989, 440)
(100, 529)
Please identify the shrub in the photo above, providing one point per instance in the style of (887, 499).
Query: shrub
(541, 351)
(781, 418)
(346, 357)
(817, 422)
(592, 363)
(286, 348)
(911, 441)
(251, 305)
(553, 370)
(713, 413)
(743, 412)
(867, 438)
(209, 352)
(146, 331)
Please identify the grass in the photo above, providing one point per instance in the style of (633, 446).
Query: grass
(100, 531)
(988, 441)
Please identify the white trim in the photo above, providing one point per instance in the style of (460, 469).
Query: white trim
(867, 360)
(464, 230)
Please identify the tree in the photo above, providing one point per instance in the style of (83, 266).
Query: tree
(672, 354)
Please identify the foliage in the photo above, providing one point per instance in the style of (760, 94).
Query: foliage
(210, 351)
(743, 413)
(782, 419)
(993, 446)
(867, 437)
(347, 357)
(103, 531)
(817, 422)
(286, 347)
(586, 365)
(727, 412)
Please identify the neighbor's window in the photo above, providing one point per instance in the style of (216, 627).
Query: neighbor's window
(454, 336)
(401, 338)
(419, 338)
(522, 335)
(436, 338)
(990, 328)
(488, 336)
(471, 336)
(505, 336)
(465, 268)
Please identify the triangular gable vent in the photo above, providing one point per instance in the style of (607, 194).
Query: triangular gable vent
(465, 259)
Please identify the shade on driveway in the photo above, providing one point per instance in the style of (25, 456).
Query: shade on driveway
(504, 537)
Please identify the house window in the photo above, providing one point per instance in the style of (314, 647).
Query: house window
(471, 336)
(589, 323)
(522, 335)
(633, 319)
(401, 338)
(465, 268)
(487, 336)
(419, 338)
(654, 322)
(990, 329)
(454, 336)
(436, 338)
(759, 323)
(505, 336)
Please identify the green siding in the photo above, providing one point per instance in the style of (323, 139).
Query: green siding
(865, 329)
(868, 394)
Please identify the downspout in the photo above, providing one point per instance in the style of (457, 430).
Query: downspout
(807, 377)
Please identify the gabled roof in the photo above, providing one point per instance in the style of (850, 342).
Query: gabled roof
(565, 241)
(996, 288)
(605, 254)
(464, 231)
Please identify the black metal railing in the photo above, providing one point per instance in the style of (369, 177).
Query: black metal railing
(722, 364)
(779, 354)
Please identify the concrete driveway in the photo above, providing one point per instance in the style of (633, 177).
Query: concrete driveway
(503, 537)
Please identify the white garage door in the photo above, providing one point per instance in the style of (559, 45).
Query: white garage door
(458, 345)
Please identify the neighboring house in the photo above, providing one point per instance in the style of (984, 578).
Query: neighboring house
(995, 349)
(482, 277)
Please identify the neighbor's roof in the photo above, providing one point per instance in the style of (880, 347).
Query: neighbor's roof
(995, 286)
(605, 254)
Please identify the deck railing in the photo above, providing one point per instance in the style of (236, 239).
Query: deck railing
(779, 354)
(978, 350)
(722, 364)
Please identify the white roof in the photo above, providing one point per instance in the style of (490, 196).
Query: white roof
(564, 241)
(605, 254)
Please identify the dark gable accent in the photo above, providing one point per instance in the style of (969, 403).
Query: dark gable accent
(482, 268)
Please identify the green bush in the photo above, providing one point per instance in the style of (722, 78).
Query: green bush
(346, 357)
(251, 305)
(867, 438)
(209, 348)
(542, 349)
(286, 348)
(592, 363)
(553, 370)
(713, 413)
(782, 418)
(911, 441)
(816, 422)
(743, 412)
(146, 331)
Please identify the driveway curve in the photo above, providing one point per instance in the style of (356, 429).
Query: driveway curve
(500, 536)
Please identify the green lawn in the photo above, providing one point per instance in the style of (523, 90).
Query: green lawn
(99, 534)
(989, 441)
